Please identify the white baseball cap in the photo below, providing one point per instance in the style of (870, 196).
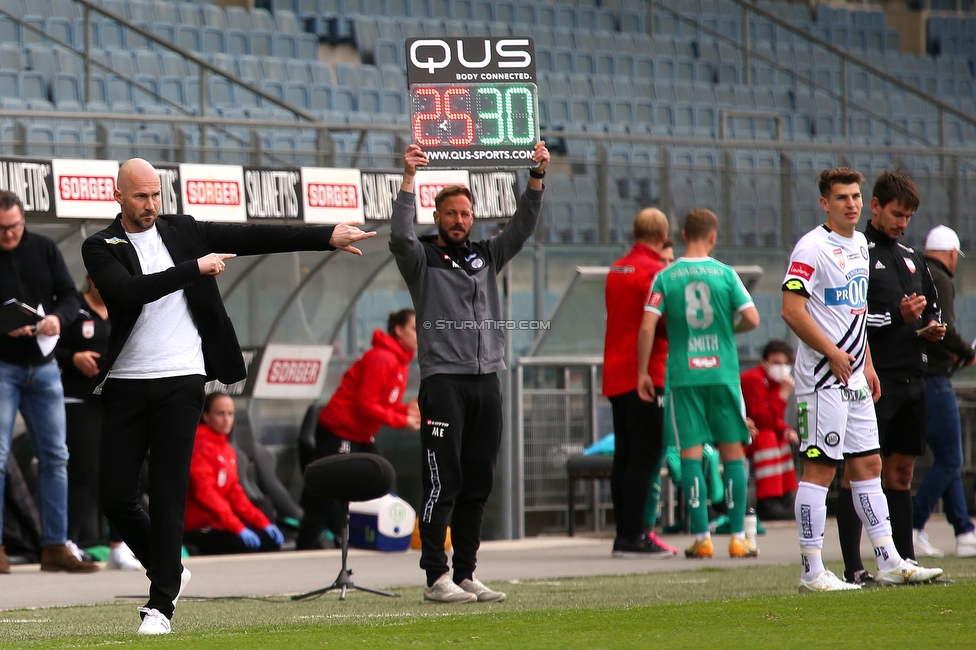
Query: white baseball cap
(943, 238)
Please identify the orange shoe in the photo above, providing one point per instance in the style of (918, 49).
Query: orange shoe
(700, 549)
(742, 548)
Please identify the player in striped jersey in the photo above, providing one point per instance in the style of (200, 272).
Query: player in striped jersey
(825, 304)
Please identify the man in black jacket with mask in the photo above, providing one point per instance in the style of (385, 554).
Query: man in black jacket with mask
(170, 333)
(901, 301)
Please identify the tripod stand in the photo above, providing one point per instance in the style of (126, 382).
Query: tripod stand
(344, 580)
(348, 477)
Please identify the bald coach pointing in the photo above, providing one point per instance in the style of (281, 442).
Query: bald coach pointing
(170, 334)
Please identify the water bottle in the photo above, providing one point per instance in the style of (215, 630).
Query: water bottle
(751, 523)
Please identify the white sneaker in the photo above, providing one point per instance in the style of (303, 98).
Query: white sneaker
(184, 578)
(484, 593)
(908, 572)
(445, 591)
(826, 581)
(77, 552)
(154, 622)
(966, 544)
(123, 559)
(924, 548)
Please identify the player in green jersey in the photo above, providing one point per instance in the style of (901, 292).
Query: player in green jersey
(704, 304)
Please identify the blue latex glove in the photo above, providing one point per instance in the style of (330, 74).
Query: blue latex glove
(250, 538)
(275, 534)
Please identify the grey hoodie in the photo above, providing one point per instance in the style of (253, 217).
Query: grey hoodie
(455, 289)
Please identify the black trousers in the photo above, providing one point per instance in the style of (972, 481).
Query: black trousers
(84, 426)
(327, 513)
(638, 429)
(460, 432)
(210, 541)
(158, 417)
(84, 430)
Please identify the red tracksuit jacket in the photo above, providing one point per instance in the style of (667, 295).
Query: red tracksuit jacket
(215, 498)
(763, 402)
(628, 283)
(370, 392)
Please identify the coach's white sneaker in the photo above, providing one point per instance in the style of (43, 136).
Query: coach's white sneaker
(923, 547)
(154, 622)
(907, 573)
(966, 544)
(445, 591)
(122, 558)
(184, 578)
(484, 593)
(826, 581)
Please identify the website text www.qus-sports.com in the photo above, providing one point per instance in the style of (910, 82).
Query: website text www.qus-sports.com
(455, 154)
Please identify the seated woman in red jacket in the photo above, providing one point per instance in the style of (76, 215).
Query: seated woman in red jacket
(367, 398)
(765, 390)
(219, 516)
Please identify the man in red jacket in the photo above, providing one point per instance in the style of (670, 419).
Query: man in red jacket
(765, 390)
(637, 424)
(367, 398)
(219, 516)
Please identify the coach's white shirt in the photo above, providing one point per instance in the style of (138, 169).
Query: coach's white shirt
(164, 341)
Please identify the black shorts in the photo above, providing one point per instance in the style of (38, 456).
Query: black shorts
(901, 416)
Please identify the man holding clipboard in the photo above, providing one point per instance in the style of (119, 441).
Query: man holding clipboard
(902, 314)
(33, 274)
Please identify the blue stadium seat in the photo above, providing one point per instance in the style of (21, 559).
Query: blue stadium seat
(121, 144)
(261, 43)
(322, 72)
(236, 42)
(343, 99)
(68, 142)
(40, 140)
(32, 85)
(65, 87)
(308, 46)
(237, 18)
(59, 30)
(250, 68)
(10, 32)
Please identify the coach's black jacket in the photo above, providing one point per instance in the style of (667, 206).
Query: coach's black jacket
(114, 267)
(897, 271)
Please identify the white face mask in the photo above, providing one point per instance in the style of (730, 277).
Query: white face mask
(779, 371)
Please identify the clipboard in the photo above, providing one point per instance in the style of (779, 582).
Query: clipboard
(15, 314)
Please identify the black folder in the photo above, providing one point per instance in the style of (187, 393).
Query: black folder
(15, 314)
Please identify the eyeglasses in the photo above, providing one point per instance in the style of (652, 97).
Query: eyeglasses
(14, 228)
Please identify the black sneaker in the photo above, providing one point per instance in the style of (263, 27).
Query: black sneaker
(863, 578)
(773, 510)
(640, 547)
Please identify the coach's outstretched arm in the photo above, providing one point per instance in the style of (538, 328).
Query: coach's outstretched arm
(506, 244)
(406, 248)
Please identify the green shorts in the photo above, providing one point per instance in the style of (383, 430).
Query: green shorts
(695, 415)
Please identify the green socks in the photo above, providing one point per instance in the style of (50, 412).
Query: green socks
(736, 486)
(693, 485)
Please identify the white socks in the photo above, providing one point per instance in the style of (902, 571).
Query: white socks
(872, 507)
(810, 508)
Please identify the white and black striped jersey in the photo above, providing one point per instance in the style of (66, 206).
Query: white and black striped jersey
(832, 273)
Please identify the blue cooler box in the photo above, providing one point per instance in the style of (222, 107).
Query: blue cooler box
(383, 524)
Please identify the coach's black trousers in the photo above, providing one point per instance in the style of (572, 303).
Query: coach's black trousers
(460, 432)
(637, 431)
(158, 417)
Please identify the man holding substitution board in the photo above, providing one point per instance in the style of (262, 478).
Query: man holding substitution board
(453, 279)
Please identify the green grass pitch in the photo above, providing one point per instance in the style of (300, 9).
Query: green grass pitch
(750, 607)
